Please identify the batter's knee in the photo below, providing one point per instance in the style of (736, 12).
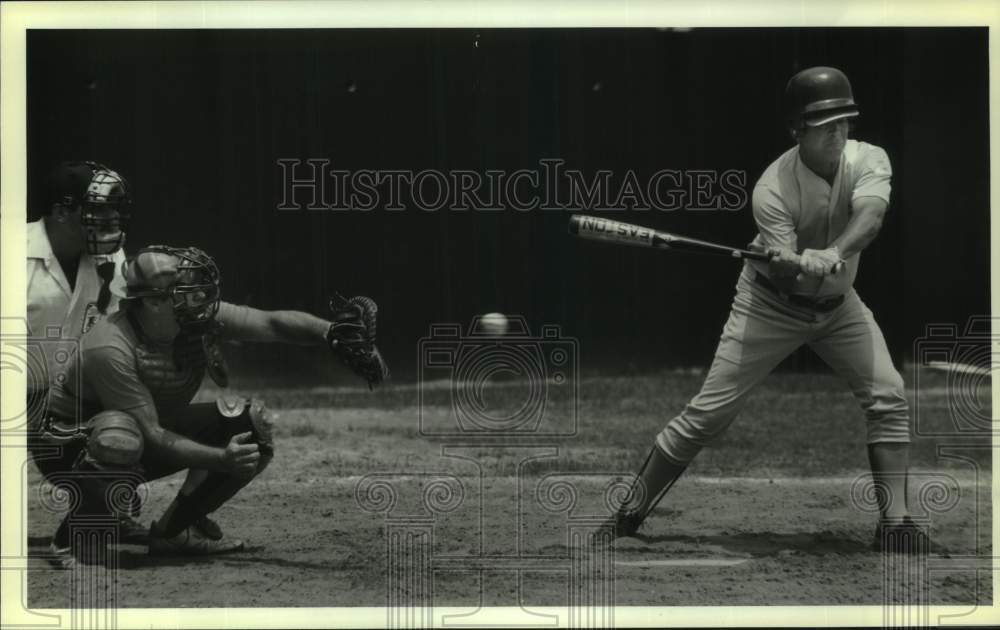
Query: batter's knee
(886, 410)
(892, 427)
(115, 441)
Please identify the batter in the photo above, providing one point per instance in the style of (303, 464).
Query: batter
(826, 198)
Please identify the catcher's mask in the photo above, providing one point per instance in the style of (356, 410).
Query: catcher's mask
(186, 275)
(104, 201)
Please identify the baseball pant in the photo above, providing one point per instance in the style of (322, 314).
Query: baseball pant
(762, 330)
(200, 422)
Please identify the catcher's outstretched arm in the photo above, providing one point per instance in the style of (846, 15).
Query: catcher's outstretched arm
(350, 332)
(244, 323)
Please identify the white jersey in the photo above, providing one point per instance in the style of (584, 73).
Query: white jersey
(797, 209)
(55, 311)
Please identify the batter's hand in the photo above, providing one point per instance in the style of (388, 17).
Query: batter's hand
(242, 456)
(784, 263)
(819, 262)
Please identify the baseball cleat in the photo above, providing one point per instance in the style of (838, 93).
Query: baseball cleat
(623, 524)
(132, 532)
(900, 536)
(209, 528)
(190, 542)
(61, 557)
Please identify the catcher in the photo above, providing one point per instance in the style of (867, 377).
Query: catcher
(139, 370)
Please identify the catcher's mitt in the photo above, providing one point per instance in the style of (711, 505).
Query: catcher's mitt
(352, 337)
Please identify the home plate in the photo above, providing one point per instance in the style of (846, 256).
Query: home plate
(683, 562)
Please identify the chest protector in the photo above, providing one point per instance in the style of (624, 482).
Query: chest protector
(173, 372)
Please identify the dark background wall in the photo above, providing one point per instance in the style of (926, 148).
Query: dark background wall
(197, 120)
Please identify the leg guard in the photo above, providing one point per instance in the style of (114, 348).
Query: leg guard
(251, 415)
(115, 440)
(114, 448)
(242, 415)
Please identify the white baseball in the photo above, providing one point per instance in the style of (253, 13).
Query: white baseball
(494, 323)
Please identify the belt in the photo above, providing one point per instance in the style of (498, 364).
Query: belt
(822, 305)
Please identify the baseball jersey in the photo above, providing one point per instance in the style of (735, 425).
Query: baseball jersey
(119, 370)
(56, 312)
(796, 209)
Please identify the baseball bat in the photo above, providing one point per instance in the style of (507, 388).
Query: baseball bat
(611, 231)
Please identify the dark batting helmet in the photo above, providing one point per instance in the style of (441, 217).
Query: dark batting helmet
(816, 96)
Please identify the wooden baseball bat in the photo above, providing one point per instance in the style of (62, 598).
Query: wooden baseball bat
(611, 231)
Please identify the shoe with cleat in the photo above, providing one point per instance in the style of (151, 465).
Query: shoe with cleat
(132, 531)
(61, 557)
(189, 542)
(209, 528)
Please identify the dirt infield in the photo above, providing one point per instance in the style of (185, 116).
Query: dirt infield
(774, 514)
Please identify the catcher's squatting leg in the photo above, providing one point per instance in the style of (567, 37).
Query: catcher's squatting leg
(107, 457)
(229, 417)
(755, 339)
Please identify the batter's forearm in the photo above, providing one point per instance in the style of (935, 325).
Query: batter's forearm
(861, 230)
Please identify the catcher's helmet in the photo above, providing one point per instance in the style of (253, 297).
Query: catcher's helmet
(816, 96)
(187, 275)
(104, 200)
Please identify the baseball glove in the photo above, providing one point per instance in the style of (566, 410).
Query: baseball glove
(351, 337)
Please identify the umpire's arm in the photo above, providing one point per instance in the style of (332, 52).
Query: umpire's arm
(243, 323)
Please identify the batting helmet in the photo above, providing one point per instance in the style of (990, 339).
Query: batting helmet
(187, 275)
(816, 96)
(104, 200)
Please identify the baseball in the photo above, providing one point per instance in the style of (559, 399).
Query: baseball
(494, 323)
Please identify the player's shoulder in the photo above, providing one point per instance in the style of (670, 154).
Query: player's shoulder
(859, 154)
(780, 168)
(777, 178)
(113, 332)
